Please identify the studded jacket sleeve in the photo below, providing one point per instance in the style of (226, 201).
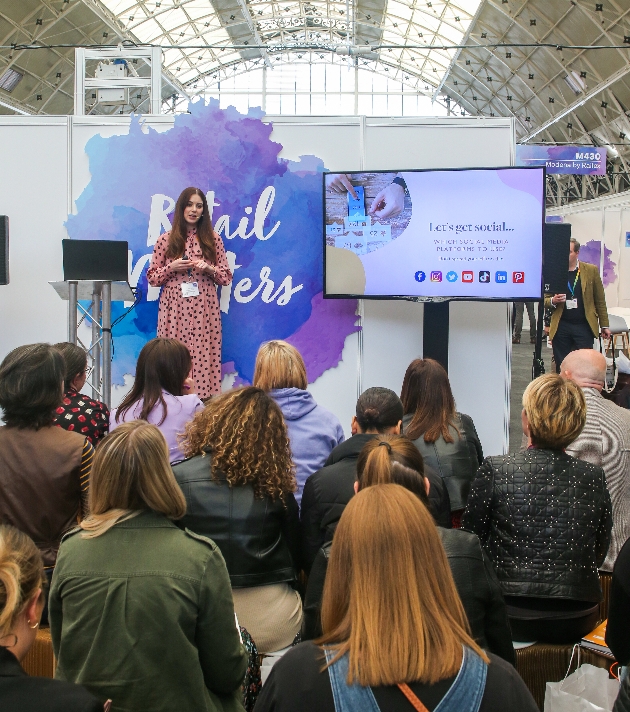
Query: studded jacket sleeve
(476, 517)
(605, 527)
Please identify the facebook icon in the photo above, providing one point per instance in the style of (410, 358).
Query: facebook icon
(500, 277)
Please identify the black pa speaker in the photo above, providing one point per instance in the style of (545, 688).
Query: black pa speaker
(556, 239)
(95, 260)
(4, 249)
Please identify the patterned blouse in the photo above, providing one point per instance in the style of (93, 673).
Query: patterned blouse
(83, 415)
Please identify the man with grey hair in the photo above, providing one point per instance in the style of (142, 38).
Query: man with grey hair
(605, 440)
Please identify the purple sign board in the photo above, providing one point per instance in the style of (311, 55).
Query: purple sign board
(579, 160)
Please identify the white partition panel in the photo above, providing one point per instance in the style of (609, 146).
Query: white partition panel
(33, 193)
(46, 169)
(479, 368)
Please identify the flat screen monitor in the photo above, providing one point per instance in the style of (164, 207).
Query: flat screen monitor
(469, 234)
(95, 260)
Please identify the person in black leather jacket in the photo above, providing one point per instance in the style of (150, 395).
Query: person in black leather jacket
(394, 459)
(238, 482)
(544, 519)
(447, 440)
(328, 491)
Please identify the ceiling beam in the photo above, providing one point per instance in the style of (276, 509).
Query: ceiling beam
(580, 102)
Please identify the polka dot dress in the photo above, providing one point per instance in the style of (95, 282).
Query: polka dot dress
(195, 321)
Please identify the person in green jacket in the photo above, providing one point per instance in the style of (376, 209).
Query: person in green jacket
(141, 612)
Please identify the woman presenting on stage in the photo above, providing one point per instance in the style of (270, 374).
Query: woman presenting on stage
(188, 262)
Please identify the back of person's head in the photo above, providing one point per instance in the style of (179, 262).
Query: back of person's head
(75, 360)
(279, 365)
(31, 385)
(21, 575)
(426, 392)
(586, 367)
(245, 431)
(389, 598)
(555, 410)
(392, 459)
(131, 473)
(378, 410)
(163, 365)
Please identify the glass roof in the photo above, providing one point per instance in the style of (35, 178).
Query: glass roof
(201, 38)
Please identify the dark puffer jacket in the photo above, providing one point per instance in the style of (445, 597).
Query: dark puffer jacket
(455, 462)
(544, 519)
(328, 490)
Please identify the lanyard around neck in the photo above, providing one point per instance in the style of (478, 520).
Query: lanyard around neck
(572, 288)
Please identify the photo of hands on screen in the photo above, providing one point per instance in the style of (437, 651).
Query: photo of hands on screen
(463, 234)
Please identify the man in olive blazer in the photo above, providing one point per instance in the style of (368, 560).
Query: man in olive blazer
(578, 316)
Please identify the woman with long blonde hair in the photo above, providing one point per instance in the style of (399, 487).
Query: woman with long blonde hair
(313, 430)
(239, 483)
(395, 632)
(141, 612)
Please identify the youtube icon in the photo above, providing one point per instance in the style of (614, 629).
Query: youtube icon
(468, 277)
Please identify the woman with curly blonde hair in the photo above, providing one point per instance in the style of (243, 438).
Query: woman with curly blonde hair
(239, 482)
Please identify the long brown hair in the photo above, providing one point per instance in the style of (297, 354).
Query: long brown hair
(279, 365)
(389, 597)
(163, 365)
(392, 459)
(245, 432)
(205, 234)
(131, 473)
(426, 392)
(21, 574)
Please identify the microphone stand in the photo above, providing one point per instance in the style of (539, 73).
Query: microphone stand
(538, 366)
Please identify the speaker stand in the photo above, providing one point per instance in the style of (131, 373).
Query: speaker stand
(538, 366)
(435, 332)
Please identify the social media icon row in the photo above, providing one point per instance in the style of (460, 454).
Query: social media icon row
(468, 276)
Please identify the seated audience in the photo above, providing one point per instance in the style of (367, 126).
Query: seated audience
(326, 493)
(239, 486)
(163, 392)
(605, 440)
(544, 519)
(21, 605)
(77, 411)
(313, 430)
(447, 440)
(395, 632)
(393, 459)
(44, 470)
(618, 626)
(141, 612)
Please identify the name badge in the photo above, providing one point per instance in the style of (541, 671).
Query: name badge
(571, 303)
(190, 289)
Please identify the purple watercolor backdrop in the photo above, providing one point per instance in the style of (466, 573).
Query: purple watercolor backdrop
(231, 154)
(591, 252)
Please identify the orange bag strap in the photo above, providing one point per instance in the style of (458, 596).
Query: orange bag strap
(412, 697)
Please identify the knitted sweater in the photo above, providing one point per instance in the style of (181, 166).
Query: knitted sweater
(605, 441)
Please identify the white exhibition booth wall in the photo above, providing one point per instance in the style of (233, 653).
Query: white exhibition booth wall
(606, 220)
(45, 169)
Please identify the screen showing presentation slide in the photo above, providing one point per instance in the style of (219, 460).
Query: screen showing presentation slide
(459, 234)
